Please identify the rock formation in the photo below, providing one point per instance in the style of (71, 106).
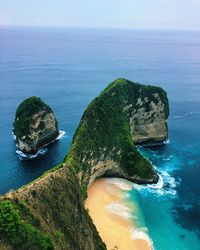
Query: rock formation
(48, 213)
(148, 121)
(125, 113)
(35, 125)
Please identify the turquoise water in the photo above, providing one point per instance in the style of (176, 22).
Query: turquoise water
(67, 68)
(159, 206)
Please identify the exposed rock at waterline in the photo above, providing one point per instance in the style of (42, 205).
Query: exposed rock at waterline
(35, 125)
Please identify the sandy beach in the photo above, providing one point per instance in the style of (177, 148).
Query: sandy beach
(112, 216)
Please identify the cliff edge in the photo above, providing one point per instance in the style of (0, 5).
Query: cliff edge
(35, 125)
(124, 114)
(49, 213)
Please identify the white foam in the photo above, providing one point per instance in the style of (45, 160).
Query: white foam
(169, 158)
(167, 141)
(40, 152)
(121, 183)
(140, 235)
(169, 180)
(186, 114)
(158, 185)
(137, 187)
(60, 135)
(14, 136)
(119, 210)
(171, 192)
(166, 185)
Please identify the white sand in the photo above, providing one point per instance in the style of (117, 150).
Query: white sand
(113, 218)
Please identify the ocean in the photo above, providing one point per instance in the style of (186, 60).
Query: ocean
(67, 68)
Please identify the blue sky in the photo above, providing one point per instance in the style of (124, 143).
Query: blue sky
(145, 14)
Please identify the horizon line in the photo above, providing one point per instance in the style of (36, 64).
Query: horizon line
(100, 27)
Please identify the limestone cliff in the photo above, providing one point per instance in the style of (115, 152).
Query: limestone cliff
(125, 113)
(35, 125)
(148, 120)
(48, 213)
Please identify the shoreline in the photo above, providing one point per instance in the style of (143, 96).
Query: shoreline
(113, 215)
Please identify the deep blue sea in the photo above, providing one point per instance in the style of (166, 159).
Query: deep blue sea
(67, 68)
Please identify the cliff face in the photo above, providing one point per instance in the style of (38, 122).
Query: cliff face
(35, 125)
(49, 213)
(149, 125)
(125, 113)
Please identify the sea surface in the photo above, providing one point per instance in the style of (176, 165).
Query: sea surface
(67, 68)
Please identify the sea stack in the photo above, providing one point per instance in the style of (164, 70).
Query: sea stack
(35, 125)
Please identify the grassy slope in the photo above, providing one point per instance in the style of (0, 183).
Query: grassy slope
(50, 215)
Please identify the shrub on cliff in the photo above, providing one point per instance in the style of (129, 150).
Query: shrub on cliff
(24, 114)
(104, 132)
(21, 235)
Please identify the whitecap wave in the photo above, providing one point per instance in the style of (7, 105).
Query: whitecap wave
(167, 141)
(121, 183)
(169, 180)
(186, 114)
(60, 135)
(40, 152)
(158, 185)
(165, 186)
(167, 183)
(14, 136)
(120, 210)
(141, 235)
(137, 187)
(168, 158)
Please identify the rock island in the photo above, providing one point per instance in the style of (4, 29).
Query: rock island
(35, 125)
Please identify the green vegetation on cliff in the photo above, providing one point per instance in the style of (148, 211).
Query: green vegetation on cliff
(49, 212)
(24, 115)
(104, 131)
(17, 232)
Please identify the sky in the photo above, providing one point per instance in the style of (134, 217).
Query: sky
(134, 14)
